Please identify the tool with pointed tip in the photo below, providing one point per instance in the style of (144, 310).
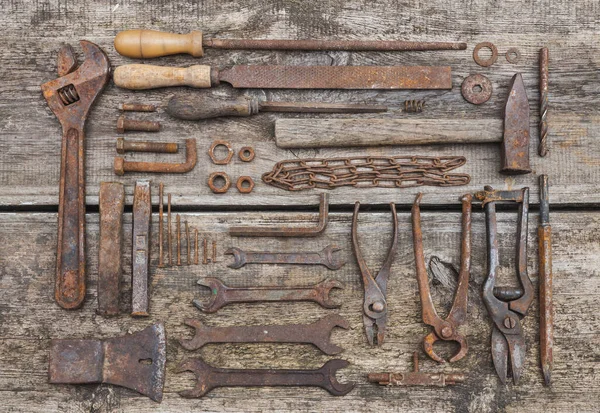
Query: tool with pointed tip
(444, 329)
(222, 295)
(375, 302)
(140, 77)
(317, 334)
(209, 377)
(205, 107)
(71, 97)
(323, 257)
(515, 144)
(506, 310)
(145, 44)
(545, 281)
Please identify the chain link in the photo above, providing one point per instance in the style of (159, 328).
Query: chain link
(367, 171)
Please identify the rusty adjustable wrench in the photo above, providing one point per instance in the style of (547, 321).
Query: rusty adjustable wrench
(324, 257)
(317, 333)
(70, 97)
(221, 295)
(209, 377)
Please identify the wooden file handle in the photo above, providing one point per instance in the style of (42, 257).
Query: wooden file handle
(144, 44)
(139, 77)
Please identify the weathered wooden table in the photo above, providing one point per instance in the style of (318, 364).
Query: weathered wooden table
(32, 33)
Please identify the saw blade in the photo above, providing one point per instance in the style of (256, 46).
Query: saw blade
(338, 77)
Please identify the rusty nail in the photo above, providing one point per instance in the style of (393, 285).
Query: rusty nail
(178, 224)
(137, 107)
(205, 251)
(187, 237)
(124, 124)
(196, 247)
(161, 261)
(142, 216)
(214, 251)
(121, 165)
(145, 146)
(169, 235)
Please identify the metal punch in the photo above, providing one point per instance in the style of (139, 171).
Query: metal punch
(444, 329)
(375, 303)
(507, 305)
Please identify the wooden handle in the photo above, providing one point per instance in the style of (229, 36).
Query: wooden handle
(207, 107)
(139, 77)
(143, 44)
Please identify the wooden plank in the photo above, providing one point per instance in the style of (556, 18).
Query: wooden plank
(30, 317)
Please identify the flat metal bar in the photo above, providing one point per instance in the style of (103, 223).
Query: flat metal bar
(142, 216)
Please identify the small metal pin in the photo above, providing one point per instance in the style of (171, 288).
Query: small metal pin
(214, 251)
(187, 237)
(170, 238)
(205, 251)
(161, 261)
(178, 223)
(196, 246)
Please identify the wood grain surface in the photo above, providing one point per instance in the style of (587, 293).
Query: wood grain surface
(32, 33)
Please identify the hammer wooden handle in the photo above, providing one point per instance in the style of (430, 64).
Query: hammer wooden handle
(139, 77)
(143, 44)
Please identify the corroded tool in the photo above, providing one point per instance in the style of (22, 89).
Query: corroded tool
(324, 257)
(317, 333)
(545, 280)
(144, 44)
(375, 300)
(543, 125)
(515, 144)
(222, 295)
(415, 377)
(142, 218)
(444, 329)
(139, 77)
(121, 165)
(206, 107)
(135, 361)
(70, 97)
(506, 305)
(209, 377)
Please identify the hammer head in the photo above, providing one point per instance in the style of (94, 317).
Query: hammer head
(71, 96)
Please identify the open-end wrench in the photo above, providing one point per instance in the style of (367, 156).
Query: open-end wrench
(317, 333)
(209, 377)
(70, 97)
(324, 257)
(221, 295)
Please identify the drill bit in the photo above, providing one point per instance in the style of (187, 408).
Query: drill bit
(543, 146)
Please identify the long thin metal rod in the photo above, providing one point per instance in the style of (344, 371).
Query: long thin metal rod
(333, 45)
(316, 107)
(187, 243)
(543, 146)
(196, 246)
(169, 234)
(178, 224)
(545, 268)
(161, 258)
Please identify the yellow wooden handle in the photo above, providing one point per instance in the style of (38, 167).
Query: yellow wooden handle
(141, 44)
(140, 77)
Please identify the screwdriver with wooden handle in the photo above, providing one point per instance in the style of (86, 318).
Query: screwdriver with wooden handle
(206, 107)
(143, 44)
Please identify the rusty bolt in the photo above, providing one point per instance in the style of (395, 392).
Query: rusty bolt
(221, 189)
(124, 124)
(246, 154)
(245, 180)
(211, 152)
(158, 147)
(137, 107)
(509, 322)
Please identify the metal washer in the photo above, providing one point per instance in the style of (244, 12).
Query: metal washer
(491, 60)
(510, 52)
(476, 98)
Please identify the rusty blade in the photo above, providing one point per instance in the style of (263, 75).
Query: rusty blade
(142, 216)
(515, 146)
(336, 77)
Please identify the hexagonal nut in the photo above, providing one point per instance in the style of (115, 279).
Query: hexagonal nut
(246, 154)
(119, 166)
(120, 146)
(240, 184)
(121, 124)
(211, 152)
(219, 189)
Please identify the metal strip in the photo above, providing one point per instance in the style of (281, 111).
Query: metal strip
(142, 215)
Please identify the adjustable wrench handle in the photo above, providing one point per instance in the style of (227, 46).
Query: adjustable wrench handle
(70, 264)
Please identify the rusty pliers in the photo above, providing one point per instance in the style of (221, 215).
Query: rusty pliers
(375, 304)
(444, 329)
(507, 305)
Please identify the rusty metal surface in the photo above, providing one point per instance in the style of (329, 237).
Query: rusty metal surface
(142, 218)
(333, 45)
(476, 89)
(545, 281)
(161, 256)
(414, 105)
(415, 377)
(124, 124)
(246, 154)
(213, 156)
(366, 171)
(508, 341)
(515, 144)
(70, 98)
(264, 231)
(485, 62)
(112, 201)
(319, 107)
(66, 62)
(444, 329)
(209, 377)
(222, 295)
(122, 166)
(178, 231)
(145, 146)
(219, 189)
(245, 184)
(335, 77)
(317, 334)
(513, 55)
(169, 232)
(375, 287)
(113, 361)
(187, 243)
(543, 86)
(324, 257)
(137, 107)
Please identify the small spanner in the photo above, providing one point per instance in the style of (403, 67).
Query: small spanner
(323, 257)
(317, 333)
(221, 295)
(209, 377)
